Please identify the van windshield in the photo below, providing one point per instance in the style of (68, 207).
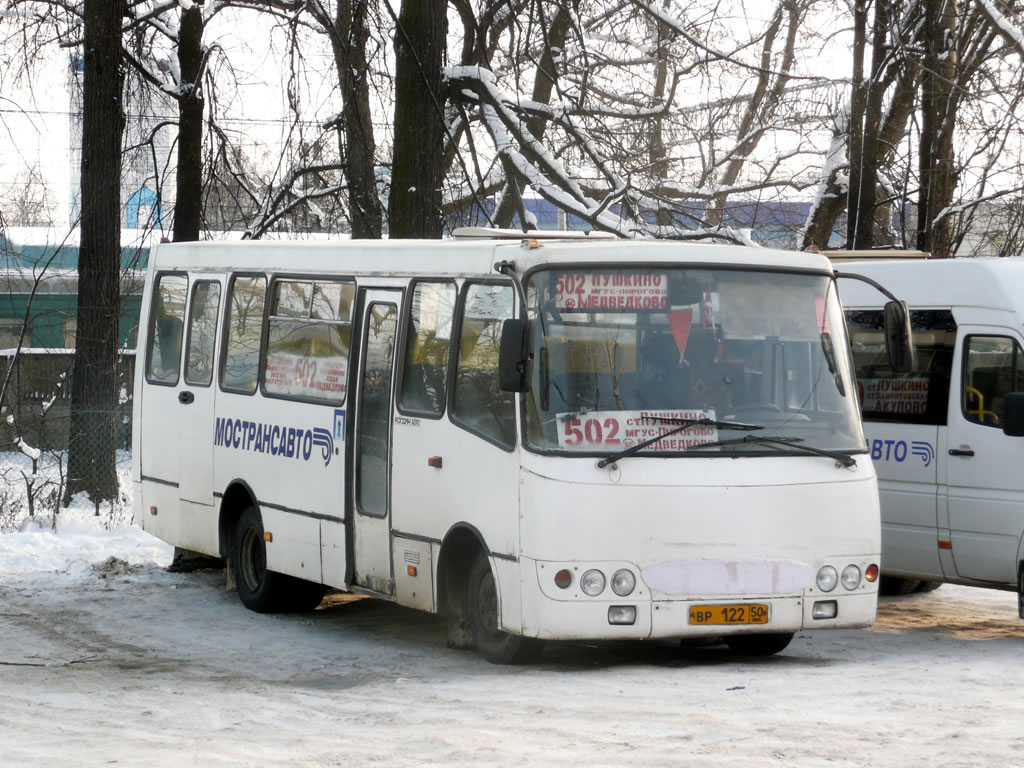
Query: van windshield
(623, 355)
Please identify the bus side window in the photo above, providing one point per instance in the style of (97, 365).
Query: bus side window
(425, 373)
(163, 355)
(918, 397)
(202, 330)
(244, 333)
(478, 403)
(993, 367)
(310, 332)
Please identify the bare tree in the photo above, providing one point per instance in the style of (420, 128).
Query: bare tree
(93, 439)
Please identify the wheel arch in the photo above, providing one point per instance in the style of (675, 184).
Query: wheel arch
(237, 497)
(459, 548)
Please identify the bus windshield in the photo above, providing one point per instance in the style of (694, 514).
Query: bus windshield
(624, 355)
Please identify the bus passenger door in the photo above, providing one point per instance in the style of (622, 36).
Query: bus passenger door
(986, 488)
(194, 413)
(371, 521)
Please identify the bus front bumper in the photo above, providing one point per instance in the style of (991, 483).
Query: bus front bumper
(641, 616)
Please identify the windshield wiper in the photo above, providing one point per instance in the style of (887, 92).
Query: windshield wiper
(682, 424)
(788, 442)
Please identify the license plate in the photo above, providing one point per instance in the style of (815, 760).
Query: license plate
(747, 613)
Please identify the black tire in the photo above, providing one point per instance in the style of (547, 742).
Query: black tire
(765, 644)
(261, 590)
(928, 586)
(891, 585)
(492, 643)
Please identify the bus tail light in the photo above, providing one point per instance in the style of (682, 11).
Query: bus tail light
(563, 579)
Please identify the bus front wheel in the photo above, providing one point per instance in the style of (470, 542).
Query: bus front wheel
(758, 644)
(262, 590)
(495, 645)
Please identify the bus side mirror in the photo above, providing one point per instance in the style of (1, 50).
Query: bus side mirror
(899, 342)
(1013, 414)
(513, 358)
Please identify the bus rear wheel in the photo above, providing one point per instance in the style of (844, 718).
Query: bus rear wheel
(262, 590)
(758, 644)
(495, 645)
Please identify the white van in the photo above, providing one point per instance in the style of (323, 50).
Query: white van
(946, 438)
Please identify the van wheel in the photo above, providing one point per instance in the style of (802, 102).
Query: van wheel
(492, 643)
(928, 586)
(890, 585)
(259, 589)
(758, 644)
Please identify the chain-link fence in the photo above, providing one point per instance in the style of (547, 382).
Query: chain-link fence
(34, 431)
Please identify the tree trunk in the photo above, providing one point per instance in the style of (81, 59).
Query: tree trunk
(543, 85)
(414, 206)
(93, 436)
(349, 40)
(658, 152)
(938, 107)
(864, 224)
(188, 200)
(857, 103)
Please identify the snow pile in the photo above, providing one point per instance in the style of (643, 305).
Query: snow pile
(74, 550)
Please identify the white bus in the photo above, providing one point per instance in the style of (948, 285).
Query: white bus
(546, 439)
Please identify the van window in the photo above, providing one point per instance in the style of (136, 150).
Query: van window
(425, 373)
(309, 339)
(478, 403)
(202, 333)
(163, 357)
(993, 366)
(244, 333)
(918, 397)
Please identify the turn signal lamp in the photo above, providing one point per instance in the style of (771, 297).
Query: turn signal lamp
(563, 579)
(871, 573)
(268, 536)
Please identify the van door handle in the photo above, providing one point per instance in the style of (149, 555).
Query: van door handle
(185, 397)
(961, 452)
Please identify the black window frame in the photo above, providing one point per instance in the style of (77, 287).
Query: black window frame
(453, 364)
(403, 345)
(921, 319)
(363, 307)
(1018, 356)
(188, 337)
(151, 320)
(225, 330)
(272, 283)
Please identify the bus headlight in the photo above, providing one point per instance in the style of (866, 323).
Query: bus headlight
(592, 583)
(827, 578)
(851, 577)
(623, 582)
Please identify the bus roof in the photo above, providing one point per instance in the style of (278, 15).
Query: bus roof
(975, 282)
(463, 256)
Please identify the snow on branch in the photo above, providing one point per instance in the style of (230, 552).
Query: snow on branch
(1002, 25)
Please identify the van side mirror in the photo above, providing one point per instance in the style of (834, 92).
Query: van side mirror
(513, 357)
(899, 341)
(1013, 414)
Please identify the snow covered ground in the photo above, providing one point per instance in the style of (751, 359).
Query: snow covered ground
(116, 661)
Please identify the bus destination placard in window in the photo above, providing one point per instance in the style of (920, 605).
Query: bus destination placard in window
(611, 290)
(611, 430)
